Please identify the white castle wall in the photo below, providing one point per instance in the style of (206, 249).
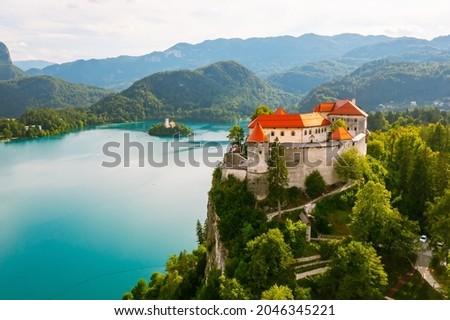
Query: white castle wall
(298, 135)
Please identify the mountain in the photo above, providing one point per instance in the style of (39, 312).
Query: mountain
(221, 91)
(385, 82)
(263, 56)
(7, 70)
(404, 49)
(300, 80)
(32, 64)
(42, 91)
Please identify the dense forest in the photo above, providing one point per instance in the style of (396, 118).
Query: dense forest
(223, 91)
(387, 83)
(18, 95)
(302, 79)
(47, 122)
(400, 190)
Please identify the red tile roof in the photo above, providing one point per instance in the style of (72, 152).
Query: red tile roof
(280, 110)
(324, 107)
(278, 121)
(340, 107)
(347, 108)
(290, 120)
(341, 134)
(257, 135)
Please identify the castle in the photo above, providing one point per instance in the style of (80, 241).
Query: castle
(308, 141)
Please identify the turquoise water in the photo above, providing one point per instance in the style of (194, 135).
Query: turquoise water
(72, 229)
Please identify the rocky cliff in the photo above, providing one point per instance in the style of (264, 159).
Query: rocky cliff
(216, 252)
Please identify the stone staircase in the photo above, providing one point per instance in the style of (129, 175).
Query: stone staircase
(309, 266)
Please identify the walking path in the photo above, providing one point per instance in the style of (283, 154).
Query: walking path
(422, 265)
(348, 185)
(310, 273)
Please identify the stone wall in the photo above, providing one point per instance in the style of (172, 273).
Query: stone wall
(239, 174)
(257, 183)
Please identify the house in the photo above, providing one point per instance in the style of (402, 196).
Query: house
(309, 142)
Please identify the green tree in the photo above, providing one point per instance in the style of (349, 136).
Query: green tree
(301, 293)
(140, 290)
(231, 289)
(235, 206)
(210, 289)
(339, 123)
(420, 185)
(295, 236)
(236, 135)
(276, 292)
(278, 174)
(200, 232)
(7, 133)
(438, 215)
(314, 184)
(261, 109)
(267, 261)
(438, 137)
(184, 275)
(374, 221)
(351, 165)
(356, 272)
(377, 121)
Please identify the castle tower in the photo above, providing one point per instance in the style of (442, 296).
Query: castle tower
(257, 153)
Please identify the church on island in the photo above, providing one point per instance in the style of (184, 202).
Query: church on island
(308, 139)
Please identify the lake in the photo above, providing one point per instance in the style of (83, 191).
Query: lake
(71, 228)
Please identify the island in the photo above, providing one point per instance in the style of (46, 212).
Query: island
(169, 128)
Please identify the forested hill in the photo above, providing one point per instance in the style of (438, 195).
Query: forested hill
(388, 83)
(7, 70)
(43, 91)
(301, 79)
(222, 91)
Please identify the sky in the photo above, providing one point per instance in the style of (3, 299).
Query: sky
(67, 30)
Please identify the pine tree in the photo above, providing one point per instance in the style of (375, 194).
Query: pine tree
(278, 174)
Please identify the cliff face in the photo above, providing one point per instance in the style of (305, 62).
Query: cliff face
(4, 54)
(7, 70)
(216, 252)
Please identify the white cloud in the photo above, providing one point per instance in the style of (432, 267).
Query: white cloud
(66, 29)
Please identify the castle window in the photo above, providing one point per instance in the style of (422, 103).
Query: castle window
(355, 119)
(292, 133)
(306, 132)
(354, 128)
(272, 133)
(282, 133)
(310, 131)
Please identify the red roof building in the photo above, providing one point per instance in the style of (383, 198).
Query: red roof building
(341, 134)
(290, 120)
(340, 108)
(348, 108)
(257, 135)
(280, 110)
